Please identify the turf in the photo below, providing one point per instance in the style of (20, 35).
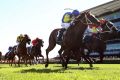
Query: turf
(56, 72)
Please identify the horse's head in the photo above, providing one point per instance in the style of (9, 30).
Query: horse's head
(40, 42)
(108, 26)
(81, 18)
(91, 18)
(27, 39)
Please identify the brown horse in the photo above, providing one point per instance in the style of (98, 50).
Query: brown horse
(36, 50)
(52, 39)
(21, 50)
(10, 56)
(97, 44)
(72, 38)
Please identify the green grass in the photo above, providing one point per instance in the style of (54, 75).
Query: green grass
(56, 72)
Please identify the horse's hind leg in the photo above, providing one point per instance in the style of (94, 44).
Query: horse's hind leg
(50, 47)
(101, 57)
(88, 60)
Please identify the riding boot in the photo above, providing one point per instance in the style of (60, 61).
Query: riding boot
(59, 38)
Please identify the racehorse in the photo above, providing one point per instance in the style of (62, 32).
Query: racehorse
(36, 50)
(21, 50)
(72, 38)
(10, 56)
(97, 44)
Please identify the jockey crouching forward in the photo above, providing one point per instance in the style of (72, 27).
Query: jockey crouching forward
(35, 41)
(20, 38)
(9, 50)
(68, 17)
(91, 32)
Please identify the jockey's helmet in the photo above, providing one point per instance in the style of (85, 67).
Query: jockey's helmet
(75, 13)
(37, 38)
(10, 47)
(21, 35)
(102, 21)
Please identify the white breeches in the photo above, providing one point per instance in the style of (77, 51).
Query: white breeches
(65, 25)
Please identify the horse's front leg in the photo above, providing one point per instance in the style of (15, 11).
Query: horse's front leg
(47, 60)
(18, 61)
(66, 58)
(61, 56)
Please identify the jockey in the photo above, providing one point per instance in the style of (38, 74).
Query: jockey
(35, 41)
(67, 19)
(91, 32)
(20, 38)
(102, 21)
(10, 49)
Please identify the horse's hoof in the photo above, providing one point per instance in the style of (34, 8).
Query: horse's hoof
(62, 65)
(46, 65)
(91, 65)
(66, 67)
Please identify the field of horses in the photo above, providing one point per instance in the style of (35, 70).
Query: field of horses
(56, 72)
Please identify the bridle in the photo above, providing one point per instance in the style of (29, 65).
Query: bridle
(88, 21)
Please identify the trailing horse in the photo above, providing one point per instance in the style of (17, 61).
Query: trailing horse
(36, 50)
(21, 50)
(10, 56)
(98, 43)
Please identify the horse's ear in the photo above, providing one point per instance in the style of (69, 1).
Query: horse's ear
(87, 11)
(42, 41)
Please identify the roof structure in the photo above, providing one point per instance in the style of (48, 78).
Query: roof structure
(108, 7)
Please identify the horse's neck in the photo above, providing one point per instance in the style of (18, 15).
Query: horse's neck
(23, 44)
(108, 26)
(74, 34)
(108, 36)
(105, 28)
(38, 46)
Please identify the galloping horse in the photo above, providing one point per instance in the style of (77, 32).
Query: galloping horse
(52, 38)
(21, 50)
(72, 40)
(36, 50)
(10, 56)
(97, 44)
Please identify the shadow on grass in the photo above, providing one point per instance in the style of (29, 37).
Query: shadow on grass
(61, 70)
(3, 67)
(84, 68)
(33, 70)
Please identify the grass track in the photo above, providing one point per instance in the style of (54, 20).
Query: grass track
(56, 72)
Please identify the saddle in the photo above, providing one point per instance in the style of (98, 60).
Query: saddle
(60, 35)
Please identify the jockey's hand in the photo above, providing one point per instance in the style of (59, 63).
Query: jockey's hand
(72, 23)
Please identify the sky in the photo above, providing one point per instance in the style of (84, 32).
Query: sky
(37, 18)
